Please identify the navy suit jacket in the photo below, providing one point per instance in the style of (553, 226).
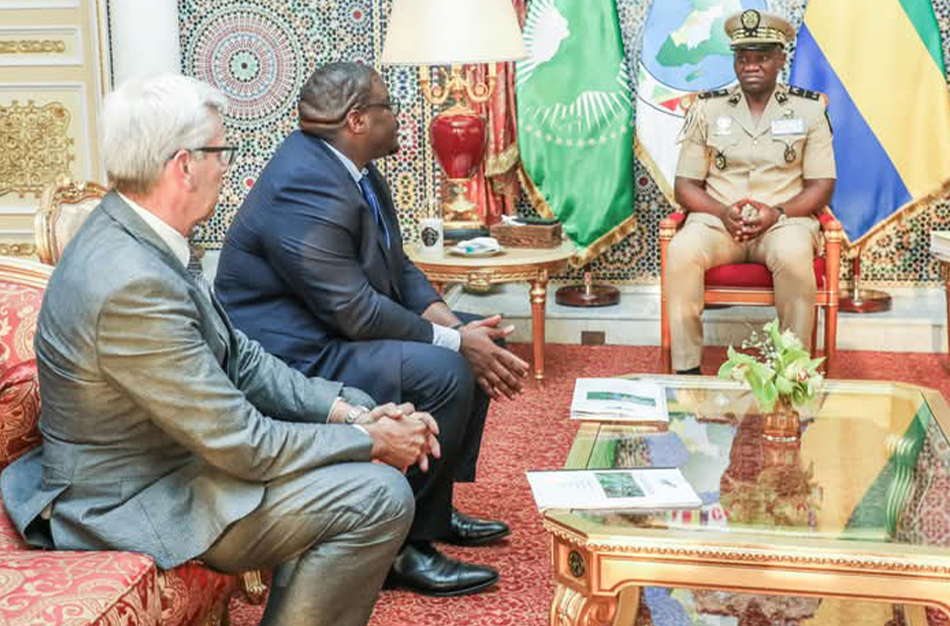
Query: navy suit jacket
(305, 269)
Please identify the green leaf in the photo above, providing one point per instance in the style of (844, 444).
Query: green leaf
(775, 336)
(783, 385)
(791, 340)
(769, 395)
(739, 357)
(762, 370)
(725, 370)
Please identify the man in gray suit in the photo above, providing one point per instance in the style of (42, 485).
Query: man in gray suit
(166, 431)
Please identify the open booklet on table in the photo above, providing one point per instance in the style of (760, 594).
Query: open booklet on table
(618, 399)
(646, 489)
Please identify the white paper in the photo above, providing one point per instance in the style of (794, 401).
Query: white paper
(642, 489)
(940, 244)
(618, 399)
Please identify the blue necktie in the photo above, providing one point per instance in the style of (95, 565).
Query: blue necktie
(367, 188)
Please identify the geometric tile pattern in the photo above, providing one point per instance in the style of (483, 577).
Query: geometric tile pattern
(259, 52)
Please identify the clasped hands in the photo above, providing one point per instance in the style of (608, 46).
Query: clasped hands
(747, 219)
(497, 370)
(402, 436)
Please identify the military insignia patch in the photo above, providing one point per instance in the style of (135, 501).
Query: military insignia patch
(734, 100)
(718, 93)
(720, 160)
(803, 93)
(790, 154)
(750, 20)
(781, 97)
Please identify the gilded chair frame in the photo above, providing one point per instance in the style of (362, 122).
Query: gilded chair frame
(825, 300)
(62, 191)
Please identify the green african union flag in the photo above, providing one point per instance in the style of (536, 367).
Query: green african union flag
(575, 120)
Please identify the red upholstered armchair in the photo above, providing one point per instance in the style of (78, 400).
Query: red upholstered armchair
(60, 588)
(750, 284)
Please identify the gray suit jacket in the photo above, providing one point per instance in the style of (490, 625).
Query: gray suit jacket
(161, 423)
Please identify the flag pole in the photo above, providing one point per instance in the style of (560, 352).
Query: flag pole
(588, 294)
(859, 300)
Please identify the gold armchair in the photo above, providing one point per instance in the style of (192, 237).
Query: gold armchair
(64, 207)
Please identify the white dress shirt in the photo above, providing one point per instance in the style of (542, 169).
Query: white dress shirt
(172, 238)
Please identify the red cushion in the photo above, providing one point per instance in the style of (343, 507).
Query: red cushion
(19, 308)
(192, 590)
(19, 411)
(184, 593)
(753, 275)
(77, 588)
(9, 537)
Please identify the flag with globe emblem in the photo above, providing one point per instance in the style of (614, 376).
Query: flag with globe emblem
(685, 50)
(575, 121)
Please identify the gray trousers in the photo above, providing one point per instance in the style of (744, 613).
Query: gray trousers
(332, 534)
(787, 249)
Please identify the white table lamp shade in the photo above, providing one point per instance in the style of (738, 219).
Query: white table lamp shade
(452, 32)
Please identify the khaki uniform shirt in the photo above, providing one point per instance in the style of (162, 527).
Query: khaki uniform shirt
(765, 161)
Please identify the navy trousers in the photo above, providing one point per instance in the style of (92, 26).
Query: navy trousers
(435, 380)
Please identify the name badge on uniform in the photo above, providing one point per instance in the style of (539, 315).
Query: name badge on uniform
(788, 127)
(723, 126)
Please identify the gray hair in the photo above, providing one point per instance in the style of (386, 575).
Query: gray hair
(145, 122)
(330, 93)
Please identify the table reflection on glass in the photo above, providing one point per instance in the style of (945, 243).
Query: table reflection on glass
(848, 524)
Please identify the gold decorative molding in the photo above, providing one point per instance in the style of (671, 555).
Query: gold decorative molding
(17, 249)
(918, 564)
(37, 147)
(33, 46)
(571, 608)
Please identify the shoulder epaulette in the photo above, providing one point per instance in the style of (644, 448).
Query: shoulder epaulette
(803, 93)
(718, 93)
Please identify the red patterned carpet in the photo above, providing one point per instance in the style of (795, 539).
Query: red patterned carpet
(534, 433)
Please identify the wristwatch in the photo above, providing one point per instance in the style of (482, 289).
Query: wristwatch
(356, 411)
(781, 214)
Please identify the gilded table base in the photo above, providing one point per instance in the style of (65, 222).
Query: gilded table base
(516, 265)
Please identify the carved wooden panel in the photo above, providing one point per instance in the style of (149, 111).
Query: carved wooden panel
(52, 82)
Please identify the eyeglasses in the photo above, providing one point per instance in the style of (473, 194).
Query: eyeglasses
(391, 105)
(225, 154)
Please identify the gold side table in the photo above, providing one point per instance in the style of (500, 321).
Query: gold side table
(515, 265)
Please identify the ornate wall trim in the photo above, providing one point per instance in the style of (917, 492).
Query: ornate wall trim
(23, 248)
(33, 46)
(39, 4)
(53, 46)
(37, 150)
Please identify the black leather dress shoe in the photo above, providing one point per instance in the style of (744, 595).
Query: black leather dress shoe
(471, 531)
(423, 569)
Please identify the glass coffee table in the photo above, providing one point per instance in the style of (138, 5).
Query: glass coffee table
(847, 524)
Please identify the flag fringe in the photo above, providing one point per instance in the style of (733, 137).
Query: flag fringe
(654, 171)
(857, 246)
(583, 256)
(502, 162)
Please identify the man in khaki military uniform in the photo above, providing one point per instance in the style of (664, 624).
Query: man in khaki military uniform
(756, 165)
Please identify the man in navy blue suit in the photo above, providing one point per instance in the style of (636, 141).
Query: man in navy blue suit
(313, 268)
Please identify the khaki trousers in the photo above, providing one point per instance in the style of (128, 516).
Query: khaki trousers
(787, 249)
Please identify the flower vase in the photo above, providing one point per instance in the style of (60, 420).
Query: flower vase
(783, 424)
